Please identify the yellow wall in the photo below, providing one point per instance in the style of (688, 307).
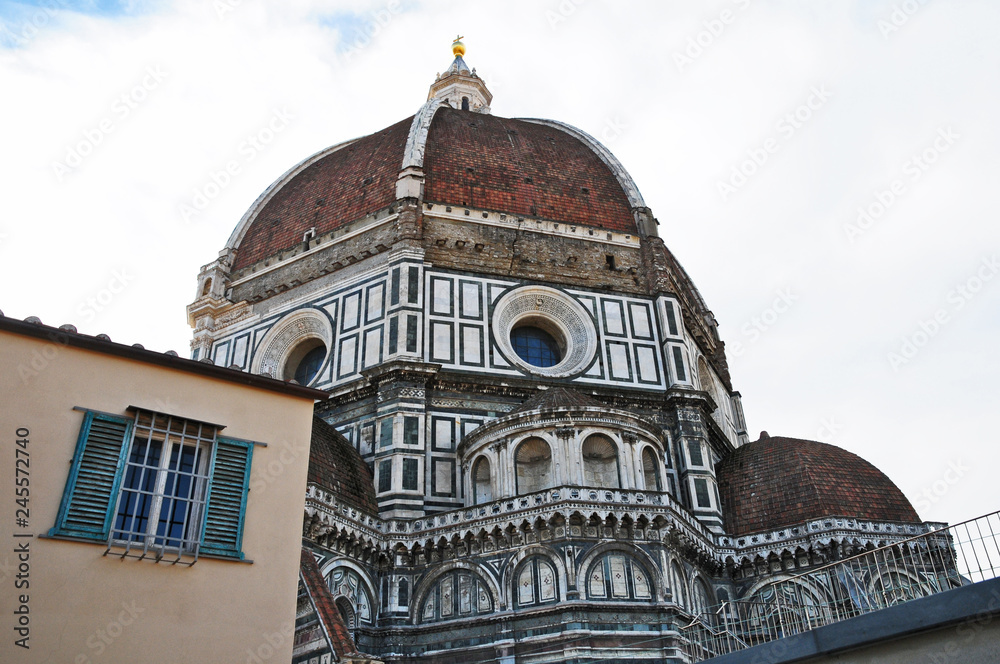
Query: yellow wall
(216, 611)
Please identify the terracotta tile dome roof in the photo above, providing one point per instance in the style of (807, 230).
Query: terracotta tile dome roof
(521, 168)
(474, 159)
(341, 187)
(777, 482)
(336, 466)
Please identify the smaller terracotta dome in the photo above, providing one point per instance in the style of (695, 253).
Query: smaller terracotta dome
(336, 466)
(776, 482)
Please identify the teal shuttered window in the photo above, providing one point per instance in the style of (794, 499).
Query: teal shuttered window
(93, 481)
(156, 484)
(227, 498)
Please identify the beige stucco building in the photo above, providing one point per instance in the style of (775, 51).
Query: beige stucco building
(180, 568)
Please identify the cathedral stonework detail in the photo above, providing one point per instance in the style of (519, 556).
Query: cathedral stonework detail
(530, 426)
(553, 311)
(275, 357)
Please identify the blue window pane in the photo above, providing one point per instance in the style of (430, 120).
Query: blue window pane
(137, 490)
(310, 364)
(535, 346)
(177, 494)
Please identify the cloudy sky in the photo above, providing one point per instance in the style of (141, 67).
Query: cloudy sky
(824, 171)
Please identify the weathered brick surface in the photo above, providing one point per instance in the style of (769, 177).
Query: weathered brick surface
(521, 168)
(331, 258)
(522, 254)
(337, 189)
(777, 482)
(471, 159)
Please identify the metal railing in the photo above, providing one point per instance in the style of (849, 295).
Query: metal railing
(937, 561)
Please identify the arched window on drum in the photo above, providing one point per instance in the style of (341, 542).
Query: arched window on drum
(600, 462)
(651, 471)
(701, 597)
(618, 576)
(533, 461)
(350, 596)
(536, 583)
(482, 481)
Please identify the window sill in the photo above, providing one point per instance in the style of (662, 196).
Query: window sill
(110, 552)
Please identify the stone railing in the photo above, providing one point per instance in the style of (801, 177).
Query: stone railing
(823, 531)
(565, 501)
(388, 534)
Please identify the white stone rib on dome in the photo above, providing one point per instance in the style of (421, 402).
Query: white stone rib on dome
(416, 144)
(416, 141)
(264, 198)
(624, 179)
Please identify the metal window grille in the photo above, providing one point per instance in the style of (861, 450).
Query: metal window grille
(385, 434)
(161, 503)
(411, 431)
(679, 364)
(694, 451)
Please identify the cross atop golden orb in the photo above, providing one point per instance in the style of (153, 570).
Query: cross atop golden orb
(457, 47)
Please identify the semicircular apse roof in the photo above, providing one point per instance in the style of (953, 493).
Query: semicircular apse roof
(776, 482)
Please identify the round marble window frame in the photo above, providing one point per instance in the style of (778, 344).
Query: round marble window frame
(285, 336)
(555, 310)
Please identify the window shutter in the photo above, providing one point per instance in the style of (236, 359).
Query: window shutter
(227, 498)
(92, 486)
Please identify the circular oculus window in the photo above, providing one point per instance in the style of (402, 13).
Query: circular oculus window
(295, 348)
(305, 360)
(545, 332)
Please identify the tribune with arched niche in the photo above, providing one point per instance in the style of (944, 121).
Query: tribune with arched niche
(455, 592)
(352, 593)
(562, 439)
(619, 573)
(536, 577)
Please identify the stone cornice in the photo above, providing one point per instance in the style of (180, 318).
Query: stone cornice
(390, 534)
(747, 548)
(405, 370)
(676, 525)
